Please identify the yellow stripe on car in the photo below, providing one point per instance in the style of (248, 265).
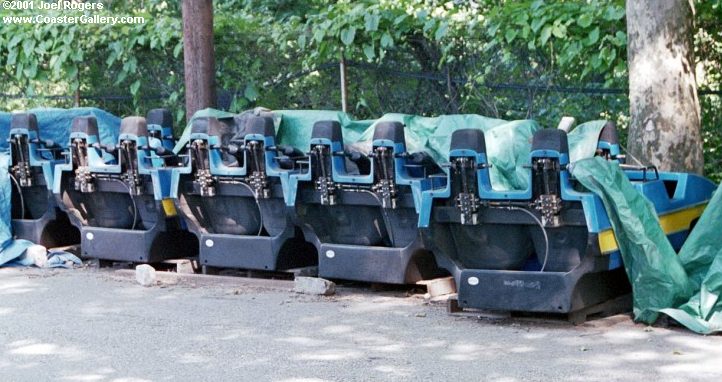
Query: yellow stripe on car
(672, 222)
(169, 207)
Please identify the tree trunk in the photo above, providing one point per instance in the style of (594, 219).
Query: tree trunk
(665, 126)
(198, 57)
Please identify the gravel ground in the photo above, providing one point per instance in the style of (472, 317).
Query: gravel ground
(85, 325)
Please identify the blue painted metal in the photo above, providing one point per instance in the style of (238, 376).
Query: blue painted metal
(115, 194)
(565, 286)
(262, 235)
(38, 153)
(35, 214)
(337, 209)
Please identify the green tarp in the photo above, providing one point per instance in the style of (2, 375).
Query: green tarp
(584, 139)
(685, 286)
(183, 140)
(293, 127)
(508, 143)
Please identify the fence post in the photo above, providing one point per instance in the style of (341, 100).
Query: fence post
(76, 96)
(344, 89)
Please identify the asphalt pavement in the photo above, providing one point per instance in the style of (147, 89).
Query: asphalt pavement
(93, 325)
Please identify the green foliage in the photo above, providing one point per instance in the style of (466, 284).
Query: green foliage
(283, 54)
(368, 29)
(582, 39)
(708, 52)
(92, 58)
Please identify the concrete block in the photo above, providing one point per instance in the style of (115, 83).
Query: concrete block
(145, 275)
(314, 285)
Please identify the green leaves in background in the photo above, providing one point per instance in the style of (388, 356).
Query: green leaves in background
(459, 47)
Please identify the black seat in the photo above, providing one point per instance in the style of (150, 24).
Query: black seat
(390, 130)
(24, 121)
(86, 124)
(161, 117)
(552, 140)
(260, 125)
(210, 126)
(134, 126)
(327, 129)
(468, 139)
(609, 133)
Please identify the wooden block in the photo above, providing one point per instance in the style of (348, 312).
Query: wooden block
(74, 249)
(452, 306)
(443, 299)
(608, 308)
(440, 286)
(311, 271)
(185, 266)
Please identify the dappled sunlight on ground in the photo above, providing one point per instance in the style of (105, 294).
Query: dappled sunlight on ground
(333, 354)
(85, 326)
(83, 377)
(303, 341)
(32, 347)
(10, 287)
(395, 371)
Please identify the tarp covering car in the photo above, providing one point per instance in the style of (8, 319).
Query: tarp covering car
(685, 286)
(53, 125)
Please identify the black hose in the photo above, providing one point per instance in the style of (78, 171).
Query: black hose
(20, 192)
(384, 213)
(544, 231)
(258, 204)
(135, 206)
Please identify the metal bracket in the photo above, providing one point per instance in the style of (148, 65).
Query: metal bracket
(259, 183)
(466, 201)
(386, 186)
(324, 183)
(84, 180)
(131, 177)
(21, 170)
(205, 182)
(550, 206)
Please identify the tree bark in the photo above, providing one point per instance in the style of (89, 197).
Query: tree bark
(198, 56)
(665, 126)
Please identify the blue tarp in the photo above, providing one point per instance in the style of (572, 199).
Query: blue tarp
(54, 124)
(10, 249)
(4, 128)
